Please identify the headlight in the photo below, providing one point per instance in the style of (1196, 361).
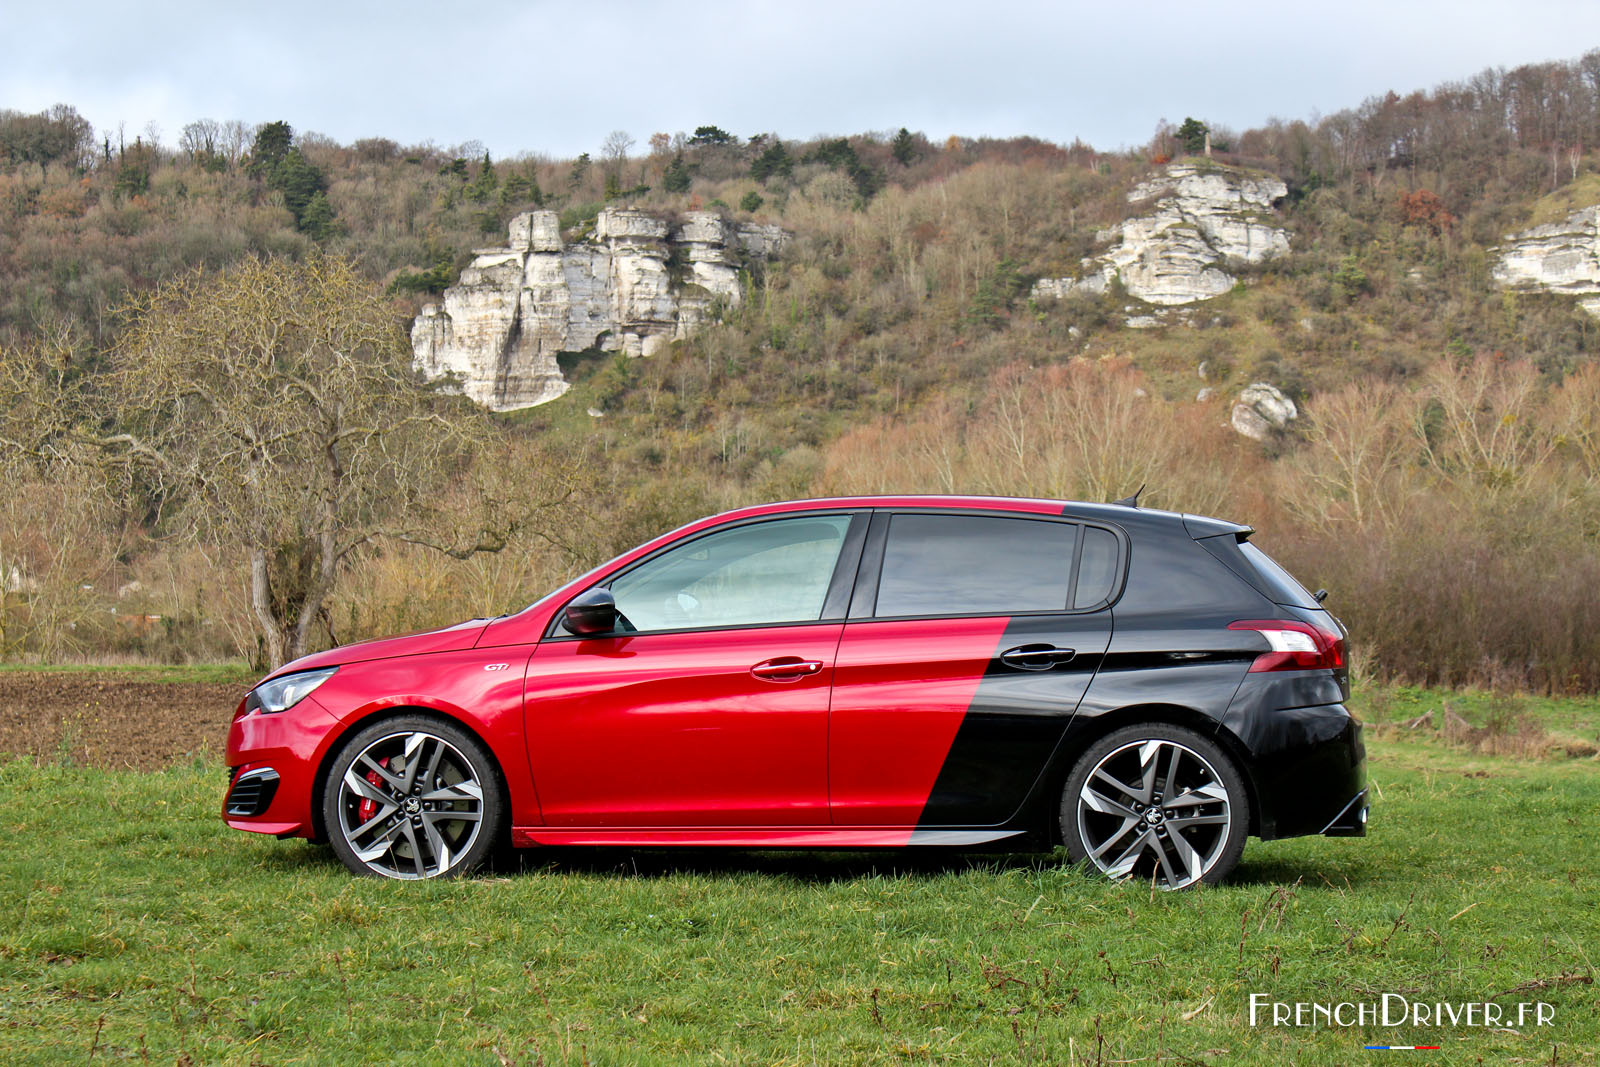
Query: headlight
(281, 694)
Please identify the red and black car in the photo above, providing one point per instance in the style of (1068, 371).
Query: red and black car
(1145, 688)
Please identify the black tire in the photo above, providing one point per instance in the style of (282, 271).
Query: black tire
(413, 797)
(1156, 801)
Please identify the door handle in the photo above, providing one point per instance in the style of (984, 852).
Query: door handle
(785, 668)
(1036, 657)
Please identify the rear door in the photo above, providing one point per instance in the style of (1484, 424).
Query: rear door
(971, 639)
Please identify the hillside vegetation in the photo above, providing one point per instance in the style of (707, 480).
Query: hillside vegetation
(1442, 483)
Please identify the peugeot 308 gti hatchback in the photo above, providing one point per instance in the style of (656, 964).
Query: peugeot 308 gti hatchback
(1145, 688)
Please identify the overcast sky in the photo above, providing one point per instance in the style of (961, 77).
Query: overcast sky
(555, 78)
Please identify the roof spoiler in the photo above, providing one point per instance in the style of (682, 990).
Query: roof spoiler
(1200, 527)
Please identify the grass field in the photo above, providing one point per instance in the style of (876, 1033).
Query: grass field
(134, 926)
(237, 672)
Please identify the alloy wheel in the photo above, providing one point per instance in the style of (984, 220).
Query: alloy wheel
(410, 805)
(1154, 808)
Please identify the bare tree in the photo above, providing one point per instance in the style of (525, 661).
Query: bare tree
(272, 406)
(59, 135)
(200, 138)
(235, 137)
(614, 149)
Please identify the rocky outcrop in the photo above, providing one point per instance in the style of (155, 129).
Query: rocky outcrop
(1260, 409)
(633, 286)
(1200, 219)
(1562, 257)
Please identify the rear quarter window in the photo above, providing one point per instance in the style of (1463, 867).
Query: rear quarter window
(1279, 585)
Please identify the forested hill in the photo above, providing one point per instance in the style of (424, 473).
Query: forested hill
(87, 215)
(897, 344)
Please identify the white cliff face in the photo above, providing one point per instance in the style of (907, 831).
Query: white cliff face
(1199, 220)
(501, 326)
(1563, 257)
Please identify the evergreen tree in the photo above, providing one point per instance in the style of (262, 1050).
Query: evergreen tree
(711, 135)
(484, 185)
(580, 167)
(904, 147)
(1192, 134)
(298, 179)
(773, 161)
(275, 160)
(676, 179)
(317, 220)
(272, 144)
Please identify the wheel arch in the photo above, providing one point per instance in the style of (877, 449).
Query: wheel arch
(319, 781)
(1097, 727)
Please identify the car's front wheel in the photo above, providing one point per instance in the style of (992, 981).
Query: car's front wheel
(412, 797)
(1155, 801)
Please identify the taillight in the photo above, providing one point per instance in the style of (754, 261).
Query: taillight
(1296, 646)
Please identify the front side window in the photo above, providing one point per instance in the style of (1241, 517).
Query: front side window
(761, 574)
(975, 564)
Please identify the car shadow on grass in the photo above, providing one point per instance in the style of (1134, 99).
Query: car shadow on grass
(826, 867)
(815, 866)
(1330, 872)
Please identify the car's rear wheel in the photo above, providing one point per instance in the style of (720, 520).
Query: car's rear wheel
(413, 797)
(1157, 802)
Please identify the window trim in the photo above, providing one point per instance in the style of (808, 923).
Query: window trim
(833, 603)
(864, 604)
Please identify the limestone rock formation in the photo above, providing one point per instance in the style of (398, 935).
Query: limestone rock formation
(633, 286)
(1262, 408)
(1563, 257)
(1199, 219)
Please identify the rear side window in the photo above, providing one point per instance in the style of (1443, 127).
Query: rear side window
(1280, 585)
(1098, 569)
(980, 564)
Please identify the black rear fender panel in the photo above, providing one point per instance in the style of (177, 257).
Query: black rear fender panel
(1041, 813)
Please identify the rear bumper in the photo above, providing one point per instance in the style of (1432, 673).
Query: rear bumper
(1308, 766)
(1352, 821)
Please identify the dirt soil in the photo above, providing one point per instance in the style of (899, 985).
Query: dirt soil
(99, 720)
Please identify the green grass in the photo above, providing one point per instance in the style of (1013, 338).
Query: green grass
(133, 924)
(230, 673)
(1480, 720)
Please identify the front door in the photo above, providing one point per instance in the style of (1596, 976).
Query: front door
(709, 706)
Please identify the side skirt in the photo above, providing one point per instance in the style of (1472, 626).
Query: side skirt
(786, 837)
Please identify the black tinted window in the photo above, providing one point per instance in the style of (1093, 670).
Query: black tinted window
(966, 564)
(1281, 586)
(1098, 568)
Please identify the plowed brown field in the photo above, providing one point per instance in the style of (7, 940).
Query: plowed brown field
(102, 720)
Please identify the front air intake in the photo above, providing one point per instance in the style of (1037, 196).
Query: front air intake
(252, 791)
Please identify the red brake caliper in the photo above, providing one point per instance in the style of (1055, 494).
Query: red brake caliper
(368, 808)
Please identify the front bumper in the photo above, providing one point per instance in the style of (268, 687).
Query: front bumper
(289, 744)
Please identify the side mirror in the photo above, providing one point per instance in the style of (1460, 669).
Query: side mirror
(591, 613)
